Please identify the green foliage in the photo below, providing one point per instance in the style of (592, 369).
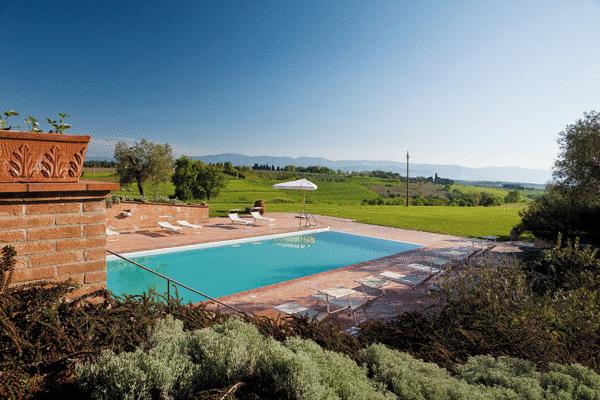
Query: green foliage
(572, 206)
(577, 168)
(165, 369)
(180, 363)
(59, 126)
(209, 181)
(194, 179)
(567, 266)
(4, 121)
(561, 212)
(33, 124)
(514, 196)
(143, 161)
(234, 355)
(491, 308)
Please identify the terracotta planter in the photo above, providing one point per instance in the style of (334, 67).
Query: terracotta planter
(41, 157)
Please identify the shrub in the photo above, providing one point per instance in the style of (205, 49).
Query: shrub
(514, 196)
(180, 363)
(567, 266)
(491, 308)
(557, 212)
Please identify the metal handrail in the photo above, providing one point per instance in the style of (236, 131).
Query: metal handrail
(170, 280)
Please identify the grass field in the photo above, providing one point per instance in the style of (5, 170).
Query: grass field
(342, 199)
(461, 221)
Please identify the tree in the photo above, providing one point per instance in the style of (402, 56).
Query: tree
(143, 161)
(514, 196)
(571, 205)
(578, 165)
(209, 180)
(184, 178)
(194, 179)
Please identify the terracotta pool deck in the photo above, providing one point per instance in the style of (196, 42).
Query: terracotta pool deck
(398, 297)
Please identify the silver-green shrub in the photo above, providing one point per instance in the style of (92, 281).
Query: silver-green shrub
(179, 364)
(340, 373)
(165, 369)
(412, 379)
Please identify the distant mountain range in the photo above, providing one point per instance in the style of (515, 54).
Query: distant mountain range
(456, 172)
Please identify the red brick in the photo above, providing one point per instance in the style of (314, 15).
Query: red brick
(21, 262)
(12, 236)
(94, 230)
(34, 247)
(49, 208)
(95, 254)
(26, 222)
(94, 206)
(56, 258)
(11, 209)
(58, 232)
(85, 218)
(98, 276)
(82, 267)
(73, 244)
(34, 274)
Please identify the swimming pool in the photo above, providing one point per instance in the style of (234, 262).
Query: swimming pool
(227, 269)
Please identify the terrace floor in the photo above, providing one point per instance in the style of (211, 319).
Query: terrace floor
(398, 297)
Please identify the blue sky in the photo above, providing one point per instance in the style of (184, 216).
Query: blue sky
(470, 83)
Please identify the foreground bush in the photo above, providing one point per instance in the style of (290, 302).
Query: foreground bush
(43, 337)
(233, 354)
(491, 308)
(236, 356)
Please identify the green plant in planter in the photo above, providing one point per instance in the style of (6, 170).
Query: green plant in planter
(33, 124)
(59, 126)
(4, 121)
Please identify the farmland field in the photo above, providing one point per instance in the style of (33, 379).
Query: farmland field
(343, 197)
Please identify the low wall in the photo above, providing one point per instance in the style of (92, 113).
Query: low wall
(145, 216)
(57, 230)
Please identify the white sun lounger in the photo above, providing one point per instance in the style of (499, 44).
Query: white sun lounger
(425, 268)
(411, 280)
(168, 226)
(235, 218)
(189, 225)
(373, 282)
(296, 309)
(255, 212)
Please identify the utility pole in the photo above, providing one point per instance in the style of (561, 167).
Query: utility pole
(407, 179)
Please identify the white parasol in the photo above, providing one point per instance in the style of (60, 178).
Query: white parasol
(300, 184)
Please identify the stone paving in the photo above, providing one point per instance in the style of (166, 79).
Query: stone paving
(437, 249)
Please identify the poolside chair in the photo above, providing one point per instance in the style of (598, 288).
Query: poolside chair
(373, 282)
(171, 228)
(296, 309)
(186, 224)
(344, 299)
(425, 268)
(255, 212)
(112, 234)
(235, 218)
(411, 280)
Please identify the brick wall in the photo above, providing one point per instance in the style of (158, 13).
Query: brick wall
(58, 235)
(145, 216)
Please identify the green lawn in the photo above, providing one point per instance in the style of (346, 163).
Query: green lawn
(342, 199)
(461, 221)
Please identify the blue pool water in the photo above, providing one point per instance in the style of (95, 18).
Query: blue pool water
(224, 270)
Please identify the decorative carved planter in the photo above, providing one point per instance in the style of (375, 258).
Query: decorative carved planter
(41, 157)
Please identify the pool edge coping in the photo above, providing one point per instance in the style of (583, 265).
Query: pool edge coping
(220, 243)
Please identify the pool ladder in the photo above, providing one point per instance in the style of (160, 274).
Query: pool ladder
(308, 219)
(175, 283)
